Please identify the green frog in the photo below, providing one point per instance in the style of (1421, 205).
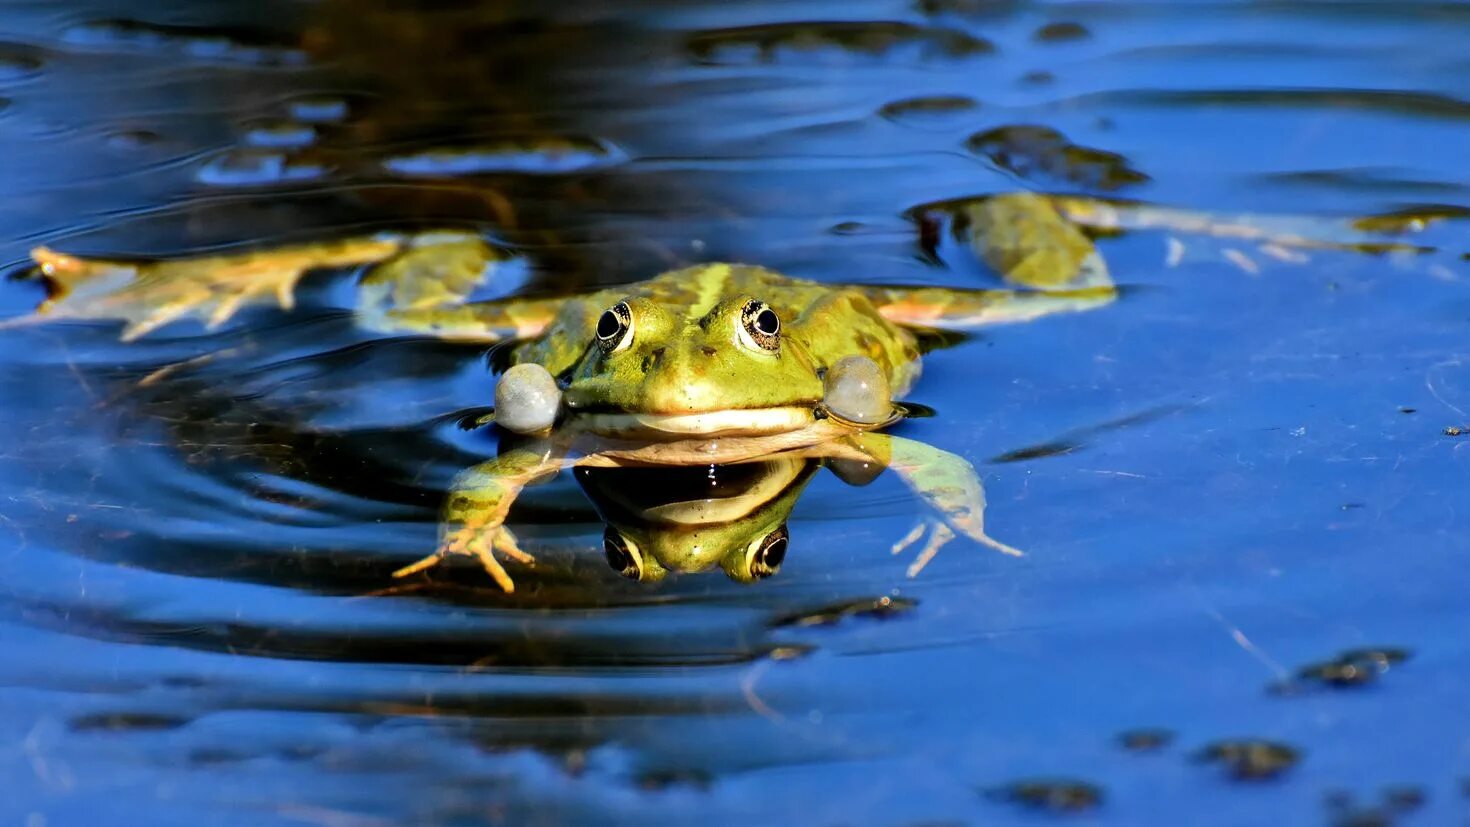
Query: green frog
(714, 364)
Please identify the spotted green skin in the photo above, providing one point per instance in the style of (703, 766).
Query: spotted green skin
(687, 354)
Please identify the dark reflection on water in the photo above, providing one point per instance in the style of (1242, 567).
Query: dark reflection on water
(1214, 479)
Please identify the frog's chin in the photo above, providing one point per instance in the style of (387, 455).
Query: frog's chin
(731, 422)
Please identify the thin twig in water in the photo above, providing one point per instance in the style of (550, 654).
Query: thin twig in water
(1434, 392)
(747, 690)
(1236, 634)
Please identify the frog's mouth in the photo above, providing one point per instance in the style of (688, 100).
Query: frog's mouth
(728, 422)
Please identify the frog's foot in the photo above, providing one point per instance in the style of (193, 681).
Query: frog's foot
(938, 537)
(480, 542)
(948, 485)
(940, 533)
(149, 294)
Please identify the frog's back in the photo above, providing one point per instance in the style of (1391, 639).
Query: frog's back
(697, 289)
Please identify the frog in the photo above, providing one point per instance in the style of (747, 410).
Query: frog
(712, 364)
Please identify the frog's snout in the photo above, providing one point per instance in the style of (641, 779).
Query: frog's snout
(856, 390)
(527, 399)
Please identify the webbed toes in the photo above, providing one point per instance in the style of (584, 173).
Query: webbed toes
(480, 542)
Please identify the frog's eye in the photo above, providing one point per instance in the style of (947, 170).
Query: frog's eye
(767, 553)
(622, 555)
(615, 328)
(760, 326)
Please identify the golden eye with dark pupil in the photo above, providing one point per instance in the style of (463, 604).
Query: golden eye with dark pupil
(762, 325)
(770, 554)
(612, 326)
(618, 556)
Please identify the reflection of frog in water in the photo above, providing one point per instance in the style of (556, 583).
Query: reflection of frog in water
(712, 364)
(687, 519)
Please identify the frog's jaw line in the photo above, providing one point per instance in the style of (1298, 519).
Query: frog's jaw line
(737, 422)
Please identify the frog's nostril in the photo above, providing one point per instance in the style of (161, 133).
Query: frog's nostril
(652, 359)
(709, 351)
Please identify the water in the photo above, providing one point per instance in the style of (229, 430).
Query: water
(1238, 471)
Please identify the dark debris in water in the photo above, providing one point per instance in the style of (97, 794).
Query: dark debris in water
(1410, 219)
(1404, 797)
(1456, 430)
(1041, 451)
(1251, 759)
(127, 722)
(1061, 31)
(18, 63)
(129, 140)
(1344, 810)
(1146, 739)
(1080, 438)
(964, 8)
(929, 109)
(1057, 795)
(1350, 668)
(881, 608)
(1033, 152)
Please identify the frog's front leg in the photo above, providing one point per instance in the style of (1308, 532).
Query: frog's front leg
(948, 483)
(479, 502)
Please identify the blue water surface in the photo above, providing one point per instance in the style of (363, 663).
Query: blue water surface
(1240, 470)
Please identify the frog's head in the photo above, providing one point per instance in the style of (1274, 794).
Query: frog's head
(658, 366)
(736, 517)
